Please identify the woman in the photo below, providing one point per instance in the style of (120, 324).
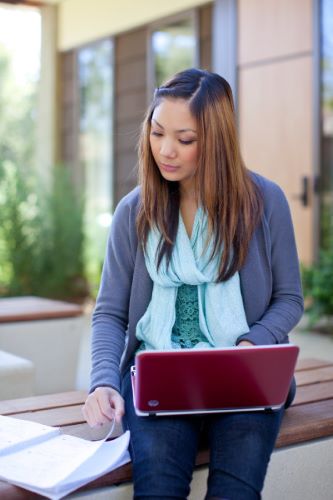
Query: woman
(201, 254)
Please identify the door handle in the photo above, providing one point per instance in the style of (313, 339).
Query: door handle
(303, 196)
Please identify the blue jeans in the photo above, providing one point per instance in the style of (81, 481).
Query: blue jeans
(163, 451)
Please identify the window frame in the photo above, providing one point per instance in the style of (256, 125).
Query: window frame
(112, 61)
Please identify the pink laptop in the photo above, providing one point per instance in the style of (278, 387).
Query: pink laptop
(214, 380)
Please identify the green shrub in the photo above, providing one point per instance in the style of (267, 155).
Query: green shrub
(318, 286)
(41, 236)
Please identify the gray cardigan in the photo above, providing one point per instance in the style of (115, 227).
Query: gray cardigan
(270, 285)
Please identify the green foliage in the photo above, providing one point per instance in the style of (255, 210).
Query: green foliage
(318, 286)
(41, 236)
(318, 278)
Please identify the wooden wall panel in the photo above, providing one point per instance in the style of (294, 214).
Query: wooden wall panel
(68, 124)
(276, 133)
(273, 98)
(130, 106)
(205, 36)
(273, 28)
(275, 81)
(131, 44)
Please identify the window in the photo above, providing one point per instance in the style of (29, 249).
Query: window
(95, 75)
(173, 47)
(327, 121)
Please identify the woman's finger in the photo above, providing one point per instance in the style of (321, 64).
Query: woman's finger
(119, 406)
(105, 399)
(92, 411)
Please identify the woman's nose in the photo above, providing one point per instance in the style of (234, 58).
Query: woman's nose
(167, 149)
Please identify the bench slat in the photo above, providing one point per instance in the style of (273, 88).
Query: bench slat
(306, 422)
(314, 392)
(7, 407)
(55, 416)
(314, 376)
(311, 363)
(11, 492)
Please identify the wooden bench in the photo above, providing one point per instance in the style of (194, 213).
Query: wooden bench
(15, 309)
(308, 420)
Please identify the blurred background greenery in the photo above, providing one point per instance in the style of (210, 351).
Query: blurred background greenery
(318, 278)
(42, 241)
(41, 235)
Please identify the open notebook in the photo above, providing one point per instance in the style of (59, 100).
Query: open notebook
(213, 380)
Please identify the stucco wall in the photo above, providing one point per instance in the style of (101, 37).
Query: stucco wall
(81, 22)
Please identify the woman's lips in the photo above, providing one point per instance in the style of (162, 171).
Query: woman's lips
(169, 168)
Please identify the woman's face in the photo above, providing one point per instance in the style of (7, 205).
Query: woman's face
(173, 141)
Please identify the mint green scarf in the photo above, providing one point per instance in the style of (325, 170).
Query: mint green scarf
(221, 311)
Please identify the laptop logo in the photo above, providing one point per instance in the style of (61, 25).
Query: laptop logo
(153, 403)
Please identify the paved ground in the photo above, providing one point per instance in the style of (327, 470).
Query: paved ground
(312, 345)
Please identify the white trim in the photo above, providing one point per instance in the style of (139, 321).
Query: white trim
(317, 128)
(77, 50)
(224, 41)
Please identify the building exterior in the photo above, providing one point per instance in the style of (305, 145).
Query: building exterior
(110, 55)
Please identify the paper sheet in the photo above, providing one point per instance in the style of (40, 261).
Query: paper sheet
(15, 433)
(59, 464)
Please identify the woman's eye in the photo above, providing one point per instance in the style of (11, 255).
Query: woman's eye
(156, 134)
(186, 142)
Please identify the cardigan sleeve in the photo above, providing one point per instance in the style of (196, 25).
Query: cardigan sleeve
(110, 316)
(286, 304)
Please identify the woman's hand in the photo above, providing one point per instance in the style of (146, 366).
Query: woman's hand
(244, 343)
(102, 406)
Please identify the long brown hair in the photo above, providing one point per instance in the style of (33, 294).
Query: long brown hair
(224, 188)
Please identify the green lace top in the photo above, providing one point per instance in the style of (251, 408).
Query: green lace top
(185, 332)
